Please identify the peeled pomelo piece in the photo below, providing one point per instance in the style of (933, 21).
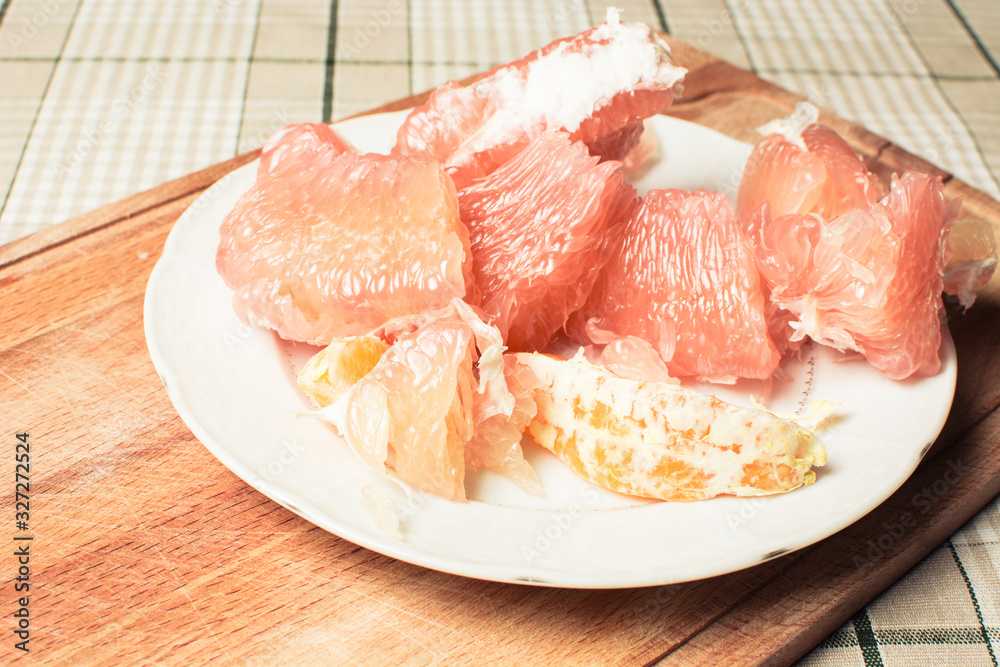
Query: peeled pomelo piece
(499, 416)
(591, 85)
(330, 373)
(681, 276)
(538, 229)
(434, 403)
(868, 280)
(849, 184)
(418, 401)
(972, 259)
(802, 167)
(782, 175)
(319, 254)
(300, 146)
(661, 440)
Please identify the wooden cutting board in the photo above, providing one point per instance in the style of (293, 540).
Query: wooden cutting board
(145, 548)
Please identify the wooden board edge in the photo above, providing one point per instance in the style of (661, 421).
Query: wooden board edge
(942, 495)
(116, 212)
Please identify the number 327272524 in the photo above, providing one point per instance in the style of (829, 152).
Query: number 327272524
(22, 480)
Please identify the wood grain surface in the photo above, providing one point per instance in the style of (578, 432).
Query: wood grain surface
(146, 550)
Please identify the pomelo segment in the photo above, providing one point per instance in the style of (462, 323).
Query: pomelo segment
(662, 440)
(591, 85)
(868, 280)
(681, 276)
(332, 372)
(339, 250)
(849, 185)
(538, 229)
(417, 400)
(434, 403)
(300, 146)
(802, 167)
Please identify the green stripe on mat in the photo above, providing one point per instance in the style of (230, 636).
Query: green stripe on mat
(982, 49)
(246, 80)
(409, 45)
(662, 16)
(741, 35)
(331, 52)
(847, 637)
(942, 636)
(866, 639)
(975, 601)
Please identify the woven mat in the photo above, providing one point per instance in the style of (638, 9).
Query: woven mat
(104, 98)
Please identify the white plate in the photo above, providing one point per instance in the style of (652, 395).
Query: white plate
(235, 389)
